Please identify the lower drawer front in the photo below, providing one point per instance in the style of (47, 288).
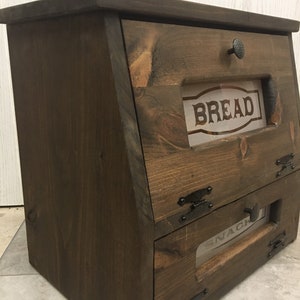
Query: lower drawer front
(206, 258)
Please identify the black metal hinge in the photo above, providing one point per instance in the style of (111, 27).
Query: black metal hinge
(286, 162)
(277, 244)
(198, 204)
(201, 295)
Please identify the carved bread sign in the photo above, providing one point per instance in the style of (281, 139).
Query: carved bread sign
(214, 111)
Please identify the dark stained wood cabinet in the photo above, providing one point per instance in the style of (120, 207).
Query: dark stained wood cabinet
(156, 164)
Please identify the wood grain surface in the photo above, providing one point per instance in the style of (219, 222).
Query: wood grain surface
(162, 58)
(88, 214)
(179, 10)
(88, 205)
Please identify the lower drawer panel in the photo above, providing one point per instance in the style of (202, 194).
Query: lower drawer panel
(204, 259)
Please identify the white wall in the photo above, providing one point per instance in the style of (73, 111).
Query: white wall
(10, 178)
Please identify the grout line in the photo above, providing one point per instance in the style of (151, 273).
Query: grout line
(18, 275)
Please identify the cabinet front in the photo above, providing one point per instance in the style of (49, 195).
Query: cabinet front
(217, 114)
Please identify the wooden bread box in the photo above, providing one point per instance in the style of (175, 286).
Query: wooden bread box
(159, 144)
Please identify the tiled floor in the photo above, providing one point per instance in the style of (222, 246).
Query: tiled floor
(10, 221)
(18, 280)
(277, 280)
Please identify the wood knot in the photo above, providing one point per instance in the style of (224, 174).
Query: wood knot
(244, 147)
(31, 216)
(292, 132)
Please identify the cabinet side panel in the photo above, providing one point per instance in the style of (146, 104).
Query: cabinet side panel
(134, 150)
(82, 224)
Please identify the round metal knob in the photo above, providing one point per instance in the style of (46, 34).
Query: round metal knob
(237, 48)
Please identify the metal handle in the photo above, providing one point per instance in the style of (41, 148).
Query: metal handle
(254, 212)
(195, 197)
(237, 48)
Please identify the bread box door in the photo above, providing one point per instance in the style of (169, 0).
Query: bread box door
(217, 121)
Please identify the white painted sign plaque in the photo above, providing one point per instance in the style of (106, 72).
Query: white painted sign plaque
(215, 111)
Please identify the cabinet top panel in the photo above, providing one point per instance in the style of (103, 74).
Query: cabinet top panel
(167, 10)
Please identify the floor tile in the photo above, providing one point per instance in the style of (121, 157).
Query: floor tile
(15, 259)
(278, 279)
(10, 221)
(30, 287)
(18, 279)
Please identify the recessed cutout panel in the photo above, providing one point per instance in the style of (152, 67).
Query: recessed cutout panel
(217, 110)
(230, 235)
